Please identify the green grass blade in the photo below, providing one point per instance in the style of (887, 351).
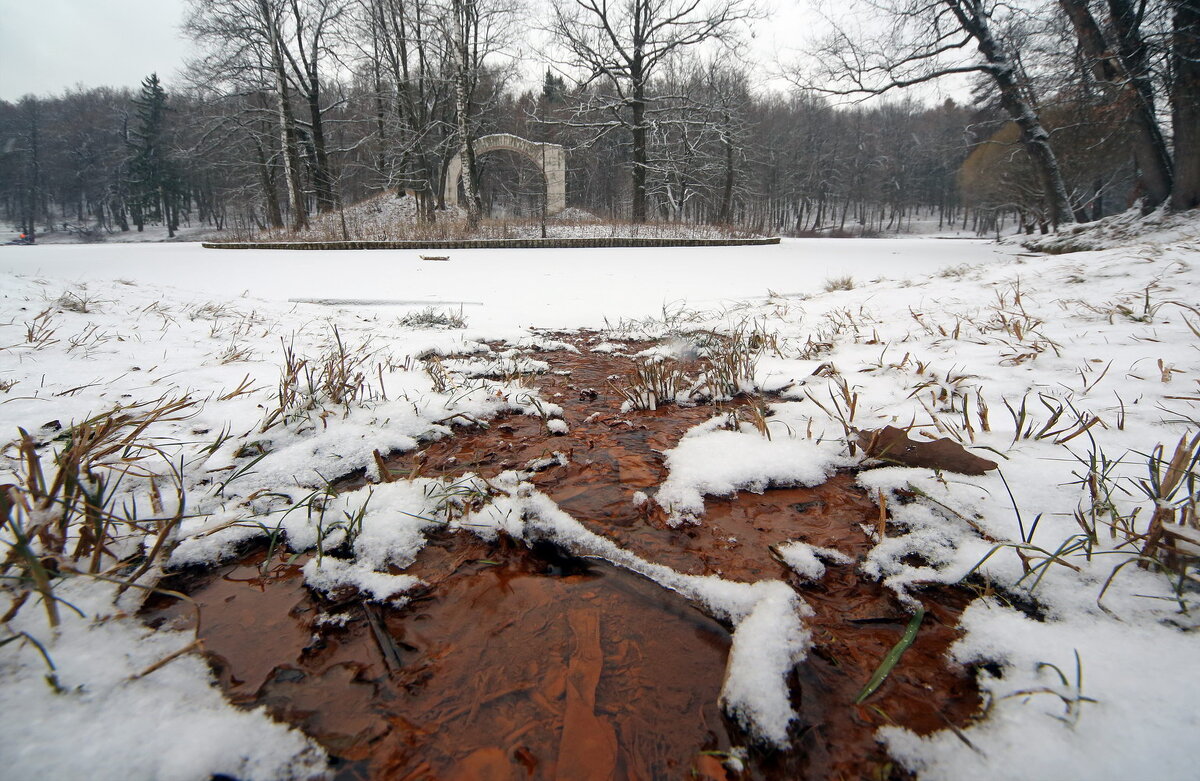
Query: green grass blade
(893, 656)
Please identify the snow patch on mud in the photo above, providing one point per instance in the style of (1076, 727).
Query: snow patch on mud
(714, 462)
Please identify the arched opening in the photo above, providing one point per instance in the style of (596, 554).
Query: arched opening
(511, 186)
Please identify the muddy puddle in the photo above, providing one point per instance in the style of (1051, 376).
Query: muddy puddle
(515, 664)
(510, 664)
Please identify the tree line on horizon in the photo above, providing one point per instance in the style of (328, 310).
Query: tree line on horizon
(300, 107)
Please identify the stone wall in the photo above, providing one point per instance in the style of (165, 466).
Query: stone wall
(580, 243)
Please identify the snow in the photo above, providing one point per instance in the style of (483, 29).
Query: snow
(806, 560)
(768, 643)
(330, 575)
(1053, 366)
(1160, 228)
(106, 721)
(1044, 734)
(719, 463)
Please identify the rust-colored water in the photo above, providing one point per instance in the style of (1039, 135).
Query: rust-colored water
(512, 664)
(517, 664)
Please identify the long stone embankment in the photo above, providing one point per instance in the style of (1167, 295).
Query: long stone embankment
(445, 244)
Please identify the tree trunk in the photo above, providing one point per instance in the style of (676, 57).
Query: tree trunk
(266, 178)
(380, 110)
(119, 216)
(322, 176)
(727, 187)
(464, 15)
(637, 106)
(470, 172)
(291, 157)
(1034, 137)
(34, 191)
(287, 122)
(1037, 144)
(168, 217)
(1128, 86)
(1150, 148)
(1185, 103)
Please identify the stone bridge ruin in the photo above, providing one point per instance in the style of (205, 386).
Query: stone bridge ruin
(550, 159)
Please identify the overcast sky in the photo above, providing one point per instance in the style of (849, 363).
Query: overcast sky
(48, 46)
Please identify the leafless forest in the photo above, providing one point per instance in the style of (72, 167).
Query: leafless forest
(295, 108)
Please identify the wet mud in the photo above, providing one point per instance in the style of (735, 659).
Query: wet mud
(514, 663)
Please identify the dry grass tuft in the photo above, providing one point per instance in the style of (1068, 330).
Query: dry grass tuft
(341, 377)
(431, 317)
(65, 515)
(839, 283)
(76, 302)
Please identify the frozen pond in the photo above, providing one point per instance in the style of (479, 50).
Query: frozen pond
(547, 288)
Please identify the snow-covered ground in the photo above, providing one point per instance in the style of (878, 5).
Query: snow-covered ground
(1057, 367)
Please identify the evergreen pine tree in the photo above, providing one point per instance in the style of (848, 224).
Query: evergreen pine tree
(154, 186)
(554, 88)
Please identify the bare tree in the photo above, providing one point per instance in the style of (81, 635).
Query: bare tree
(697, 138)
(477, 30)
(309, 32)
(246, 51)
(414, 105)
(464, 28)
(623, 44)
(270, 20)
(729, 96)
(930, 39)
(29, 148)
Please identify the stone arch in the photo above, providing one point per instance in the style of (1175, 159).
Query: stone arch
(550, 159)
